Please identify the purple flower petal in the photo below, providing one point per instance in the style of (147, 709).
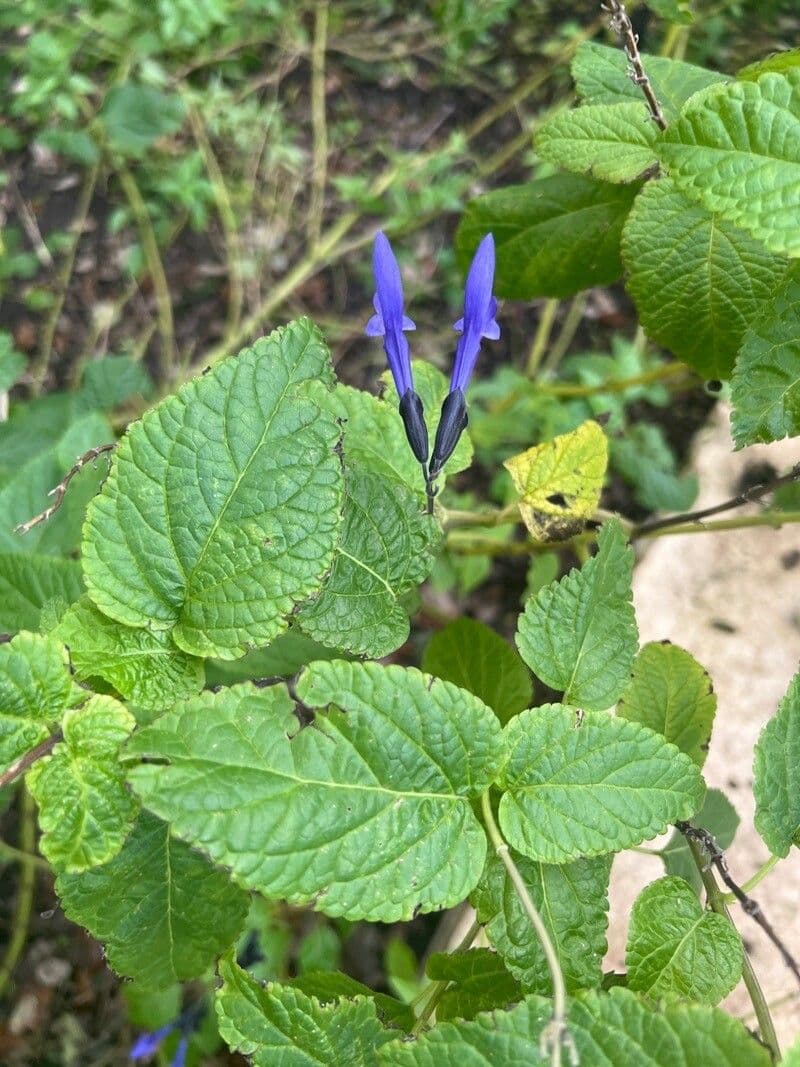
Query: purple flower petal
(390, 320)
(146, 1044)
(179, 1059)
(480, 308)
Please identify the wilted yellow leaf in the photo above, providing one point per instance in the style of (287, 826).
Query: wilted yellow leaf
(560, 481)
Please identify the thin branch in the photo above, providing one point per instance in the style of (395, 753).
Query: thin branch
(24, 763)
(541, 338)
(621, 24)
(319, 172)
(748, 496)
(22, 912)
(750, 907)
(60, 491)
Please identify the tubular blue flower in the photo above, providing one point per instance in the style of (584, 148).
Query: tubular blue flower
(477, 322)
(390, 322)
(147, 1045)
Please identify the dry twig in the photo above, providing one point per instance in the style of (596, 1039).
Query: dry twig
(59, 492)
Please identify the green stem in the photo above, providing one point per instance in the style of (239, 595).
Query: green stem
(22, 913)
(541, 338)
(318, 122)
(773, 518)
(572, 321)
(555, 1035)
(16, 855)
(757, 878)
(616, 385)
(716, 901)
(436, 990)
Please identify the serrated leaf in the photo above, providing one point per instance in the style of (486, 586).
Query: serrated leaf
(776, 773)
(720, 818)
(279, 1026)
(28, 582)
(467, 653)
(327, 986)
(778, 63)
(162, 911)
(368, 814)
(143, 666)
(560, 481)
(736, 151)
(579, 633)
(612, 1028)
(111, 381)
(698, 280)
(572, 899)
(609, 142)
(553, 236)
(480, 982)
(36, 688)
(85, 809)
(671, 693)
(584, 790)
(385, 548)
(677, 946)
(602, 76)
(222, 508)
(765, 388)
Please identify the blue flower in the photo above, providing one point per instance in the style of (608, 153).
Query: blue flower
(478, 321)
(148, 1044)
(390, 322)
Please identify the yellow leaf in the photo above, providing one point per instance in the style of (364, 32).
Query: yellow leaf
(560, 481)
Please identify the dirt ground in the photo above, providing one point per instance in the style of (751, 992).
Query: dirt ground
(733, 600)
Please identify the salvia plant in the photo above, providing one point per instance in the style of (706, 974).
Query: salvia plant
(267, 521)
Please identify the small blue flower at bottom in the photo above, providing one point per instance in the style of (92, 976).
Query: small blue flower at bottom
(148, 1044)
(478, 321)
(390, 322)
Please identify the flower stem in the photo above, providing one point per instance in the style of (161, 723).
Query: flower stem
(757, 878)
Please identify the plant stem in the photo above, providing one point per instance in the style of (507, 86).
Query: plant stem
(775, 519)
(22, 912)
(16, 855)
(716, 901)
(541, 338)
(572, 321)
(436, 990)
(615, 385)
(757, 878)
(555, 1035)
(318, 123)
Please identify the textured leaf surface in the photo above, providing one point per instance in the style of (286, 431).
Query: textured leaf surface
(779, 63)
(698, 280)
(579, 634)
(480, 982)
(28, 581)
(554, 236)
(222, 508)
(765, 389)
(614, 1028)
(672, 694)
(85, 809)
(590, 789)
(601, 75)
(35, 690)
(720, 818)
(776, 771)
(677, 946)
(572, 898)
(385, 549)
(471, 655)
(736, 150)
(144, 666)
(610, 142)
(279, 1026)
(368, 814)
(326, 986)
(560, 481)
(162, 911)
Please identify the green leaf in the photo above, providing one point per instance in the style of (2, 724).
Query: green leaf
(720, 818)
(560, 481)
(162, 911)
(368, 814)
(698, 280)
(736, 151)
(601, 74)
(579, 634)
(137, 115)
(385, 549)
(554, 236)
(765, 388)
(12, 362)
(778, 63)
(572, 899)
(35, 690)
(609, 142)
(279, 1026)
(677, 946)
(282, 658)
(143, 666)
(791, 1058)
(480, 983)
(222, 508)
(677, 11)
(776, 772)
(644, 459)
(469, 654)
(326, 986)
(584, 790)
(109, 382)
(612, 1028)
(28, 582)
(672, 694)
(85, 810)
